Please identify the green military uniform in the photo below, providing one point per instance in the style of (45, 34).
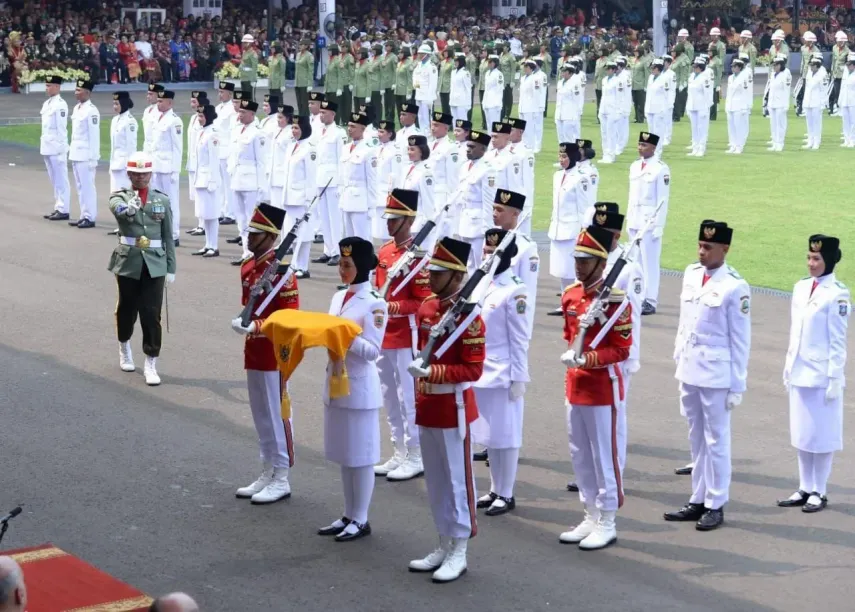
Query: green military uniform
(599, 75)
(444, 84)
(639, 71)
(472, 67)
(303, 79)
(807, 50)
(276, 73)
(403, 82)
(838, 63)
(784, 50)
(375, 76)
(141, 268)
(689, 48)
(361, 89)
(751, 51)
(348, 76)
(333, 77)
(387, 83)
(482, 75)
(717, 67)
(682, 67)
(508, 66)
(721, 49)
(248, 71)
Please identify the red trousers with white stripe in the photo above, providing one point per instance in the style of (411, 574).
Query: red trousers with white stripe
(593, 432)
(275, 438)
(450, 484)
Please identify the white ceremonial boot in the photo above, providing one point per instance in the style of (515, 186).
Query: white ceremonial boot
(583, 529)
(394, 461)
(126, 357)
(433, 560)
(454, 565)
(151, 377)
(604, 533)
(410, 468)
(730, 149)
(691, 147)
(278, 488)
(261, 482)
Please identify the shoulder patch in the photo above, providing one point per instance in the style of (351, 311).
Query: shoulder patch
(842, 307)
(379, 318)
(521, 304)
(132, 127)
(94, 119)
(744, 304)
(62, 113)
(178, 129)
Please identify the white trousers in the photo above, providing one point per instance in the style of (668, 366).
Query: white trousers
(813, 117)
(700, 121)
(493, 115)
(592, 432)
(651, 253)
(621, 418)
(450, 486)
(737, 128)
(709, 437)
(567, 130)
(191, 180)
(399, 396)
(167, 182)
(275, 437)
(119, 180)
(622, 134)
(425, 109)
(538, 131)
(656, 125)
(87, 197)
(357, 224)
(227, 206)
(57, 169)
(668, 121)
(459, 113)
(277, 195)
(476, 255)
(303, 245)
(778, 125)
(530, 134)
(609, 126)
(848, 113)
(327, 210)
(244, 205)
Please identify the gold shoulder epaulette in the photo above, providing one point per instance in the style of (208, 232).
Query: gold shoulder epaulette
(568, 287)
(617, 295)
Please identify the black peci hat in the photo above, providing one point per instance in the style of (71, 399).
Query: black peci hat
(715, 231)
(481, 138)
(516, 123)
(509, 198)
(608, 220)
(443, 118)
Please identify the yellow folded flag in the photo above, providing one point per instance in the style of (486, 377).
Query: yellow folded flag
(292, 332)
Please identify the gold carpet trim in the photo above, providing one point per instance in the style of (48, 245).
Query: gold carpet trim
(38, 555)
(123, 605)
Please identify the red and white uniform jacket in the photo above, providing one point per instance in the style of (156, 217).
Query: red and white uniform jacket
(403, 307)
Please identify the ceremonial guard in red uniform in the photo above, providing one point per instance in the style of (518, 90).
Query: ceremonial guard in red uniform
(445, 406)
(594, 390)
(401, 339)
(262, 375)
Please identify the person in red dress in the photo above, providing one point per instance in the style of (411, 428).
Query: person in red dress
(272, 421)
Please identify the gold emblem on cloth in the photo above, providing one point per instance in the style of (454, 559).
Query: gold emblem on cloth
(142, 242)
(709, 232)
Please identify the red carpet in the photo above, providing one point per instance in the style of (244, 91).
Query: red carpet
(60, 582)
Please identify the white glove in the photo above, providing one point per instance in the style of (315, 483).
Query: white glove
(309, 88)
(733, 400)
(834, 391)
(393, 89)
(93, 164)
(174, 177)
(212, 187)
(517, 390)
(568, 358)
(368, 100)
(417, 369)
(238, 327)
(170, 277)
(658, 231)
(339, 92)
(131, 209)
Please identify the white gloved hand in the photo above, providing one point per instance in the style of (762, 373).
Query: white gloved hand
(238, 327)
(568, 358)
(93, 164)
(339, 93)
(132, 209)
(309, 88)
(418, 369)
(393, 89)
(212, 187)
(733, 400)
(170, 277)
(368, 100)
(517, 390)
(658, 231)
(834, 390)
(174, 177)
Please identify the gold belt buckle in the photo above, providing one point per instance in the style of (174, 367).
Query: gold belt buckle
(142, 242)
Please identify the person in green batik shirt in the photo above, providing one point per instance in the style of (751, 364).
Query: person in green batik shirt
(639, 66)
(716, 66)
(747, 48)
(600, 74)
(472, 67)
(248, 66)
(445, 67)
(715, 41)
(375, 83)
(403, 87)
(276, 69)
(304, 76)
(361, 89)
(508, 66)
(682, 66)
(387, 81)
(482, 74)
(348, 76)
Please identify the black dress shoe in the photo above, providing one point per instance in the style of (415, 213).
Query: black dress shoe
(510, 504)
(481, 455)
(792, 503)
(212, 253)
(235, 240)
(809, 507)
(227, 221)
(57, 216)
(176, 243)
(555, 313)
(683, 471)
(572, 487)
(302, 274)
(647, 308)
(333, 260)
(318, 239)
(237, 261)
(712, 519)
(363, 530)
(321, 259)
(331, 530)
(689, 512)
(200, 252)
(85, 224)
(114, 232)
(486, 503)
(73, 222)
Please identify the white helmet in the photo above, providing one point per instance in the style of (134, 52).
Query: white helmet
(715, 32)
(746, 34)
(425, 49)
(140, 162)
(247, 38)
(810, 36)
(683, 32)
(841, 36)
(778, 35)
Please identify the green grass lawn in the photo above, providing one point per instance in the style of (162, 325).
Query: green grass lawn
(773, 200)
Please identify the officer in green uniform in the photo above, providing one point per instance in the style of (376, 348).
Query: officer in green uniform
(472, 67)
(747, 47)
(546, 56)
(361, 88)
(403, 78)
(508, 66)
(716, 66)
(482, 74)
(720, 47)
(142, 262)
(839, 53)
(332, 79)
(375, 76)
(348, 74)
(682, 66)
(807, 50)
(640, 70)
(387, 81)
(600, 74)
(304, 76)
(444, 85)
(276, 69)
(248, 68)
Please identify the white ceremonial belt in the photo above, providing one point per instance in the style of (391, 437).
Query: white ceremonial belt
(707, 340)
(246, 162)
(141, 242)
(435, 389)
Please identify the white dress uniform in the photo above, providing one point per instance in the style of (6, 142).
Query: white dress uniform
(299, 190)
(246, 170)
(193, 129)
(329, 148)
(167, 150)
(657, 106)
(649, 184)
(84, 153)
(587, 167)
(669, 116)
(610, 109)
(418, 176)
(494, 87)
(123, 144)
(223, 125)
(402, 137)
(569, 200)
(815, 101)
(525, 265)
(53, 146)
(476, 192)
(149, 116)
(358, 187)
(711, 351)
(278, 150)
(506, 168)
(779, 105)
(499, 425)
(625, 95)
(525, 158)
(530, 107)
(460, 96)
(846, 103)
(740, 99)
(425, 81)
(568, 108)
(444, 164)
(389, 160)
(207, 182)
(698, 105)
(352, 422)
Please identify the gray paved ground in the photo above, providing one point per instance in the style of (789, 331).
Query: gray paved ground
(140, 481)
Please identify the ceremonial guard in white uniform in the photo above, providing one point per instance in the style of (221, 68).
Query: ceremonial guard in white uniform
(300, 189)
(525, 157)
(506, 166)
(150, 115)
(460, 94)
(711, 351)
(123, 140)
(476, 191)
(814, 371)
(672, 88)
(358, 191)
(351, 423)
(815, 100)
(167, 151)
(277, 154)
(846, 102)
(444, 162)
(53, 146)
(462, 127)
(657, 101)
(269, 126)
(197, 100)
(780, 82)
(246, 169)
(586, 166)
(330, 147)
(740, 99)
(526, 263)
(226, 119)
(84, 152)
(500, 390)
(494, 88)
(609, 114)
(407, 117)
(207, 180)
(370, 133)
(418, 176)
(425, 81)
(649, 185)
(389, 160)
(569, 202)
(531, 103)
(624, 77)
(570, 99)
(698, 103)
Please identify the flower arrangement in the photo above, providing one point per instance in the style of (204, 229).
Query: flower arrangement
(230, 71)
(40, 76)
